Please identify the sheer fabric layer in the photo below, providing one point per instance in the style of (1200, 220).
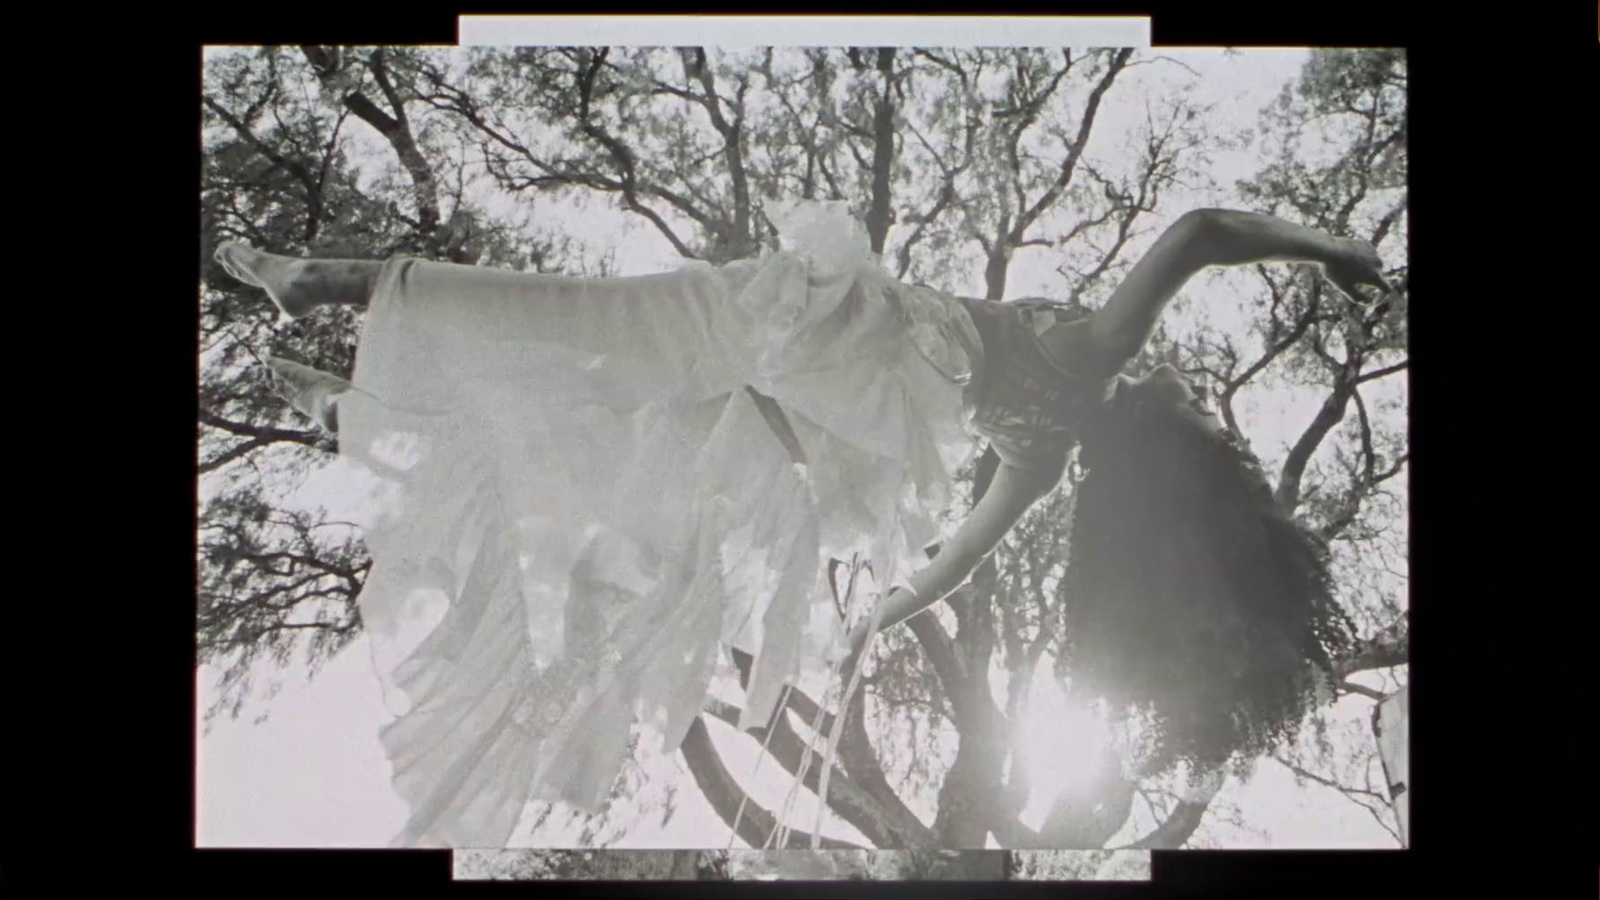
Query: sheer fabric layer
(574, 500)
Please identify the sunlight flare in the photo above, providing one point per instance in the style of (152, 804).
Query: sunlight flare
(1063, 742)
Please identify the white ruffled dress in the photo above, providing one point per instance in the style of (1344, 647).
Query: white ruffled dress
(573, 472)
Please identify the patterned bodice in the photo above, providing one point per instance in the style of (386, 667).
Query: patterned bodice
(1028, 403)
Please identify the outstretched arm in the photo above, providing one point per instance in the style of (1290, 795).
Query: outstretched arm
(1010, 494)
(1201, 238)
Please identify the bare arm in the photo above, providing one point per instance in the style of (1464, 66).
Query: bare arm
(1199, 239)
(1010, 494)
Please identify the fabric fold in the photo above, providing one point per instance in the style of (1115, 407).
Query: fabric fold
(575, 501)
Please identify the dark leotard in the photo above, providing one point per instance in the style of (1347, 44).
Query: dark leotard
(1028, 403)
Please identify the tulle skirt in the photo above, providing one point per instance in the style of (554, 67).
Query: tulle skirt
(575, 500)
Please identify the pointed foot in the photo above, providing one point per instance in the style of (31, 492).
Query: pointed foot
(277, 275)
(312, 392)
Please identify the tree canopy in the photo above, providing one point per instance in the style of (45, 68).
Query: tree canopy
(967, 167)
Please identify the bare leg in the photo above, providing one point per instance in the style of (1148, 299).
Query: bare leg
(312, 392)
(298, 286)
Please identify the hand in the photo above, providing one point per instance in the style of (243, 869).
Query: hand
(1355, 264)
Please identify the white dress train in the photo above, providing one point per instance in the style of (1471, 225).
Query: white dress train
(573, 472)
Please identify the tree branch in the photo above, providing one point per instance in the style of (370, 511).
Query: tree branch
(941, 653)
(879, 214)
(393, 126)
(696, 65)
(1294, 465)
(1175, 831)
(454, 100)
(323, 566)
(238, 450)
(1363, 690)
(725, 795)
(620, 154)
(243, 130)
(1325, 781)
(1389, 218)
(1384, 372)
(1119, 61)
(1389, 647)
(313, 184)
(855, 748)
(1274, 350)
(266, 434)
(845, 797)
(1131, 207)
(1360, 482)
(861, 761)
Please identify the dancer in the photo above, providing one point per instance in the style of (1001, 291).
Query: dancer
(607, 478)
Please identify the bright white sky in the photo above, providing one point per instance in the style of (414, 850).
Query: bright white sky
(315, 775)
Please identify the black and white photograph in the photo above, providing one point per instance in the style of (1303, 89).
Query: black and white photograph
(736, 448)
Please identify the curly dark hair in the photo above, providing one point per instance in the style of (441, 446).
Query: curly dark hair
(1192, 597)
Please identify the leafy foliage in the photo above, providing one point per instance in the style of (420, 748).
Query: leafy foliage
(962, 162)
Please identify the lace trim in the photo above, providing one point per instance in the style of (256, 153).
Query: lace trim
(941, 330)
